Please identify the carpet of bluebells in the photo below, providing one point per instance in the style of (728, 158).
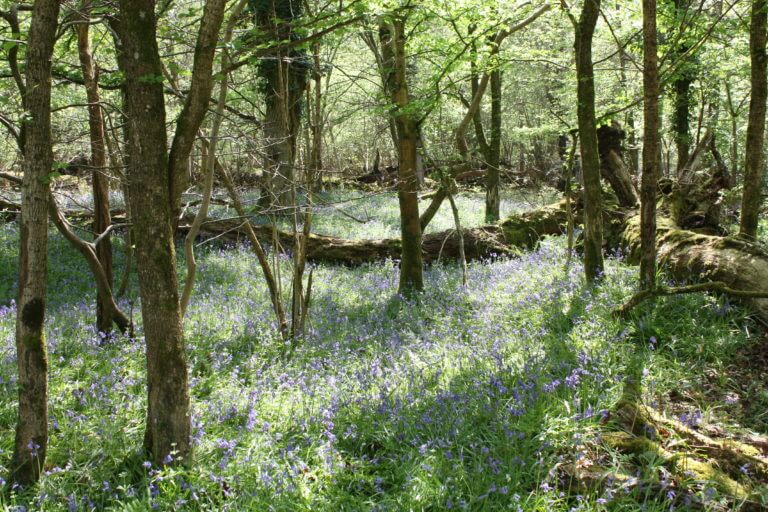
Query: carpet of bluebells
(471, 399)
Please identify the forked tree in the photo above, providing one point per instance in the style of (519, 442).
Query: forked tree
(392, 35)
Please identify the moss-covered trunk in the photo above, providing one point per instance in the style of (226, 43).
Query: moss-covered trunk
(392, 37)
(31, 442)
(149, 188)
(590, 161)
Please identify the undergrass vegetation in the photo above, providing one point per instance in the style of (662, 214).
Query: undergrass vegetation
(473, 398)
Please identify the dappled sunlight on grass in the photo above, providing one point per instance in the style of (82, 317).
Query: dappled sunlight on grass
(470, 398)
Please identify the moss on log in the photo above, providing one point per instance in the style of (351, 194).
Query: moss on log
(690, 256)
(516, 233)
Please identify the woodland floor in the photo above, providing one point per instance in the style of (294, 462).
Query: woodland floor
(476, 398)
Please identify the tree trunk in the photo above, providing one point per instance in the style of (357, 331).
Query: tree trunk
(634, 154)
(196, 102)
(681, 123)
(392, 37)
(754, 171)
(590, 161)
(98, 161)
(689, 256)
(493, 180)
(612, 167)
(684, 77)
(284, 84)
(149, 187)
(316, 123)
(31, 442)
(650, 177)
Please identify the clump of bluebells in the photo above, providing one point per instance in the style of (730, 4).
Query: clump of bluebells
(468, 399)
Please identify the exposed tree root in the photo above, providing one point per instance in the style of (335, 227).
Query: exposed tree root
(712, 286)
(731, 466)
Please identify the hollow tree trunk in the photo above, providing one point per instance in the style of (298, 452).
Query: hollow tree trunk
(590, 161)
(31, 441)
(99, 178)
(754, 172)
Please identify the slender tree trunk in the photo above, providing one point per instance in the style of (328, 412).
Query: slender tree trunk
(392, 37)
(477, 115)
(493, 179)
(682, 100)
(590, 161)
(316, 124)
(209, 161)
(149, 187)
(681, 123)
(31, 441)
(733, 114)
(754, 170)
(634, 154)
(650, 177)
(99, 179)
(370, 40)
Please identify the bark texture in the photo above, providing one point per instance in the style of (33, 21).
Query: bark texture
(650, 176)
(612, 167)
(681, 85)
(149, 189)
(284, 75)
(392, 37)
(98, 162)
(31, 441)
(493, 176)
(754, 171)
(590, 160)
(691, 256)
(196, 101)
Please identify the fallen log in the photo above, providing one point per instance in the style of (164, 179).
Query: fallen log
(516, 233)
(687, 255)
(510, 237)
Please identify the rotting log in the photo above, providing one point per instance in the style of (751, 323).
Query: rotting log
(696, 257)
(516, 233)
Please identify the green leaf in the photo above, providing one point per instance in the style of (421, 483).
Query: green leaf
(50, 177)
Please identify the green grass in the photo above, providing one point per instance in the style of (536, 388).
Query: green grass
(473, 398)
